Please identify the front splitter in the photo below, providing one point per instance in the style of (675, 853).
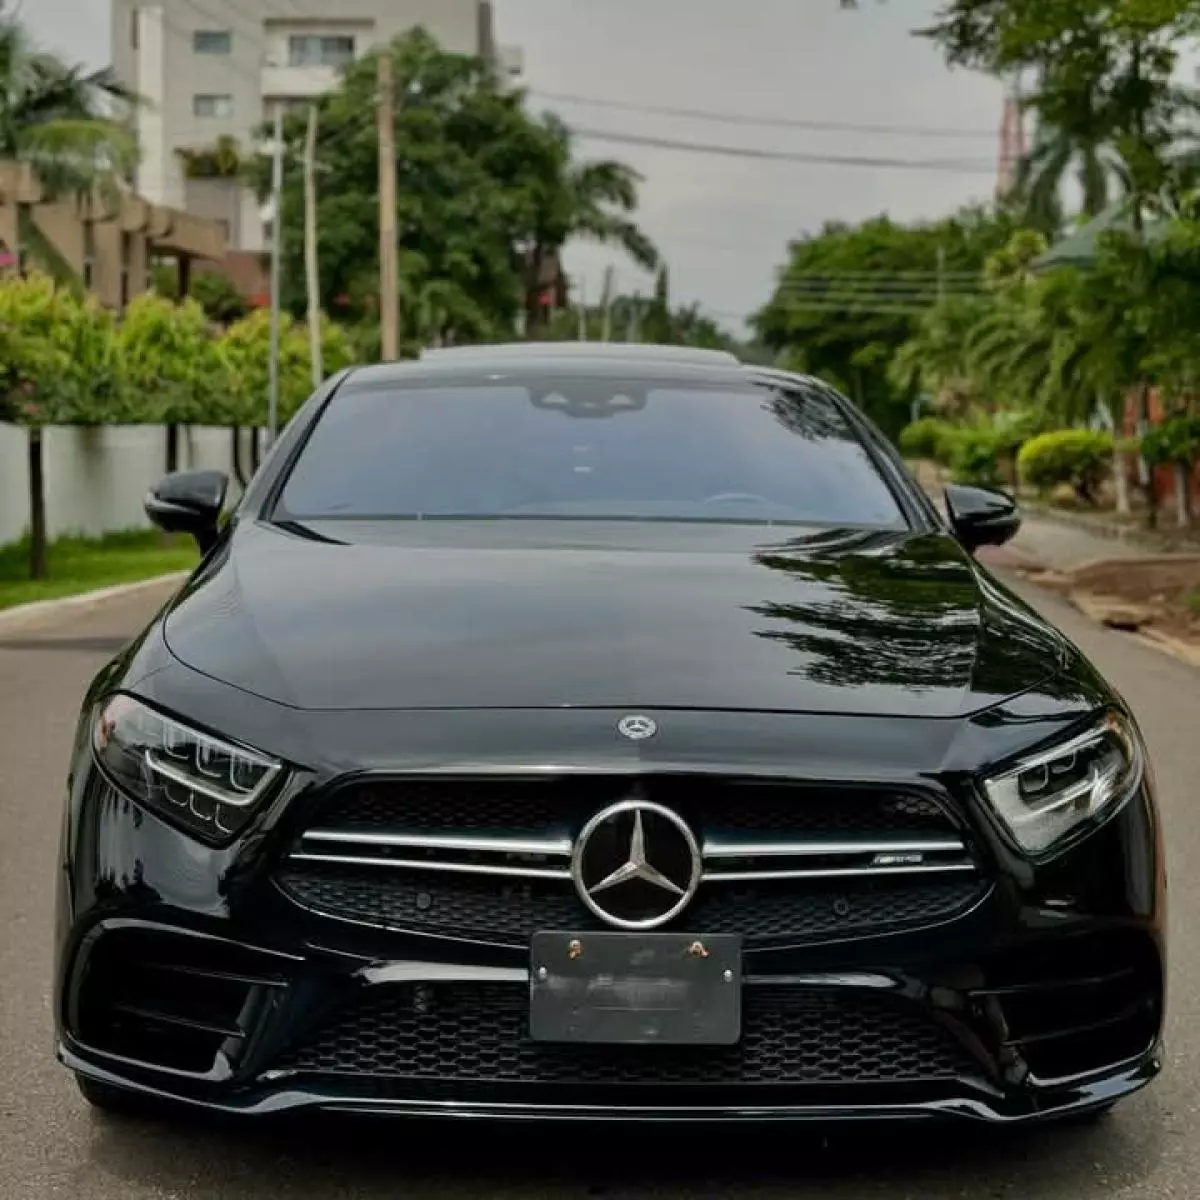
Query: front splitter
(1029, 1106)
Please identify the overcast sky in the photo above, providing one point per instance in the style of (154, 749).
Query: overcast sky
(724, 222)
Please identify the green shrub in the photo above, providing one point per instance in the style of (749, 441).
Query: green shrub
(978, 455)
(928, 439)
(1078, 457)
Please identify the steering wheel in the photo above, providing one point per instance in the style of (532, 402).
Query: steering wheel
(736, 498)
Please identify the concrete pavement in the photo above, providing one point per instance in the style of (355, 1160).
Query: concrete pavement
(52, 1145)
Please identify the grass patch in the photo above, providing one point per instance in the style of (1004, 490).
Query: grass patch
(78, 564)
(1191, 601)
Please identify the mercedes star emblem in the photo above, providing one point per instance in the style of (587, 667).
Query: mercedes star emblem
(637, 727)
(636, 865)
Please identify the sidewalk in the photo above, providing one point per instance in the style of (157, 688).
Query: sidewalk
(1043, 543)
(1064, 547)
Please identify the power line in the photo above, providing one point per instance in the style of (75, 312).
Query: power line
(738, 118)
(954, 166)
(957, 166)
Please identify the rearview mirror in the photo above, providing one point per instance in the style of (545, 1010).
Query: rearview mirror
(981, 516)
(189, 502)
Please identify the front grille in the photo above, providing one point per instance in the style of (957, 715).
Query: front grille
(487, 859)
(165, 1000)
(477, 1033)
(510, 911)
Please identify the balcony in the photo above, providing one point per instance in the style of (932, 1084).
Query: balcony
(297, 83)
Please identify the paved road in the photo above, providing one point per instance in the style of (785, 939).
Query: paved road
(52, 1145)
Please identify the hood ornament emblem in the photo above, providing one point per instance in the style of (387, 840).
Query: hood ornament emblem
(637, 727)
(636, 865)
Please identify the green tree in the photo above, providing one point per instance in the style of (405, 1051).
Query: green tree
(1080, 145)
(594, 200)
(485, 194)
(1105, 79)
(58, 366)
(849, 297)
(55, 117)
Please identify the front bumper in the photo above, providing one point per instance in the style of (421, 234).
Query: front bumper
(1043, 1000)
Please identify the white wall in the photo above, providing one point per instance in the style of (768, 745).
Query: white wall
(97, 477)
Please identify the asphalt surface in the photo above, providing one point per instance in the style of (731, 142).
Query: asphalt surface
(51, 1144)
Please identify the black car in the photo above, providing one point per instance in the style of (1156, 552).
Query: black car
(603, 731)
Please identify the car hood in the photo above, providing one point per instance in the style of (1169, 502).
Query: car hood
(395, 615)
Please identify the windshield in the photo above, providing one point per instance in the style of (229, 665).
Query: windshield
(590, 449)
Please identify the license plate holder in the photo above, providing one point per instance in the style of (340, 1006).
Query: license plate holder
(636, 989)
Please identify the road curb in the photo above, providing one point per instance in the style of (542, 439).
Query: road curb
(21, 613)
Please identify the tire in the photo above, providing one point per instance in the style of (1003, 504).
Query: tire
(109, 1099)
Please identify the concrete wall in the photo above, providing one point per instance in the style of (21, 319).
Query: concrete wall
(97, 477)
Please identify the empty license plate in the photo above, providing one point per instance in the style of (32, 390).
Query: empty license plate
(636, 988)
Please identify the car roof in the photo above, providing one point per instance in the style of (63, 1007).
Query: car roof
(575, 351)
(615, 360)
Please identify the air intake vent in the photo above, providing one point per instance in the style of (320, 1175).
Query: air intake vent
(180, 1003)
(1088, 1005)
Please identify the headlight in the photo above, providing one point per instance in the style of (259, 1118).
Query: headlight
(209, 786)
(1048, 794)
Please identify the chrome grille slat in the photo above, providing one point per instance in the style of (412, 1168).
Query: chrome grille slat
(815, 848)
(834, 873)
(430, 864)
(468, 843)
(712, 851)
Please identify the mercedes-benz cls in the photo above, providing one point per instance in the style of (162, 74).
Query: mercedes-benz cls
(601, 731)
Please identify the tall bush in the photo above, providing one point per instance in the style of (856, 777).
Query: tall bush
(58, 366)
(244, 353)
(170, 364)
(1078, 457)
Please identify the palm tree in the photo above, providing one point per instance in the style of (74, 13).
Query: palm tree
(593, 200)
(1057, 151)
(61, 120)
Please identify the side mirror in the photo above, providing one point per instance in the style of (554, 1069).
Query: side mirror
(981, 516)
(189, 502)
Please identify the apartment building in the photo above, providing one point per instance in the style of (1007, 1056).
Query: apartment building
(215, 69)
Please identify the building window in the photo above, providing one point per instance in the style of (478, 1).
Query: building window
(320, 50)
(212, 41)
(212, 106)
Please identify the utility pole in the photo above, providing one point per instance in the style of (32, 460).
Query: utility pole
(581, 305)
(310, 249)
(941, 274)
(606, 306)
(633, 325)
(276, 223)
(389, 279)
